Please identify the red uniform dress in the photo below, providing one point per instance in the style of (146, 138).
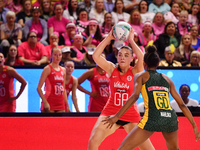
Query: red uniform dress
(68, 87)
(6, 91)
(54, 90)
(121, 89)
(100, 84)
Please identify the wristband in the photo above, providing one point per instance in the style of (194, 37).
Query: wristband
(92, 35)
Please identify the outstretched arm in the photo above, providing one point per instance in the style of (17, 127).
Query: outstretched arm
(110, 120)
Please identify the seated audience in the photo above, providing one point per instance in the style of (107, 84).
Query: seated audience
(66, 52)
(147, 34)
(183, 52)
(46, 9)
(192, 17)
(14, 5)
(57, 23)
(136, 21)
(119, 13)
(108, 5)
(3, 12)
(130, 5)
(92, 34)
(107, 24)
(109, 48)
(98, 12)
(11, 32)
(86, 4)
(38, 24)
(143, 9)
(195, 37)
(169, 58)
(12, 58)
(32, 52)
(185, 5)
(64, 3)
(168, 37)
(82, 21)
(69, 34)
(72, 12)
(25, 14)
(194, 59)
(184, 91)
(78, 50)
(53, 40)
(87, 59)
(183, 26)
(159, 6)
(158, 24)
(173, 15)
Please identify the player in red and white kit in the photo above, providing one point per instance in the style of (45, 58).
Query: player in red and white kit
(71, 83)
(99, 81)
(53, 75)
(121, 85)
(7, 92)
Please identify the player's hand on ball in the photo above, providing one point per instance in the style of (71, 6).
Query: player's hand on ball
(110, 120)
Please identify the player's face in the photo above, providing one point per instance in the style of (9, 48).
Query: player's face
(56, 55)
(69, 66)
(1, 59)
(124, 57)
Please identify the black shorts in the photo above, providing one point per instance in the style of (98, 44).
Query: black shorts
(121, 122)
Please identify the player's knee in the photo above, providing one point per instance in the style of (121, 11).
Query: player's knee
(93, 144)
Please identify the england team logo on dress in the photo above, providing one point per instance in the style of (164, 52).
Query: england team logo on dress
(4, 75)
(129, 78)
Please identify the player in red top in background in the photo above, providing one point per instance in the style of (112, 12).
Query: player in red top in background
(99, 82)
(7, 97)
(71, 83)
(53, 75)
(121, 85)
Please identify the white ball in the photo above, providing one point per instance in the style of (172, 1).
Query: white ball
(121, 31)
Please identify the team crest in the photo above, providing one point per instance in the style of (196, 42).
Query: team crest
(129, 78)
(4, 75)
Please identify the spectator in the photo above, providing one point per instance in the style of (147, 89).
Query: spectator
(64, 4)
(32, 52)
(53, 75)
(46, 9)
(54, 40)
(130, 5)
(82, 21)
(184, 91)
(71, 83)
(66, 52)
(72, 12)
(147, 34)
(143, 9)
(194, 34)
(25, 14)
(168, 37)
(78, 50)
(119, 13)
(185, 5)
(12, 58)
(57, 23)
(14, 5)
(192, 17)
(173, 15)
(112, 57)
(70, 33)
(109, 48)
(183, 26)
(3, 12)
(36, 3)
(169, 58)
(108, 4)
(38, 24)
(7, 96)
(11, 32)
(99, 94)
(86, 4)
(158, 24)
(98, 12)
(92, 34)
(135, 21)
(194, 59)
(107, 25)
(87, 59)
(159, 6)
(183, 52)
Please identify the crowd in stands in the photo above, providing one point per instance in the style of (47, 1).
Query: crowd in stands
(34, 27)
